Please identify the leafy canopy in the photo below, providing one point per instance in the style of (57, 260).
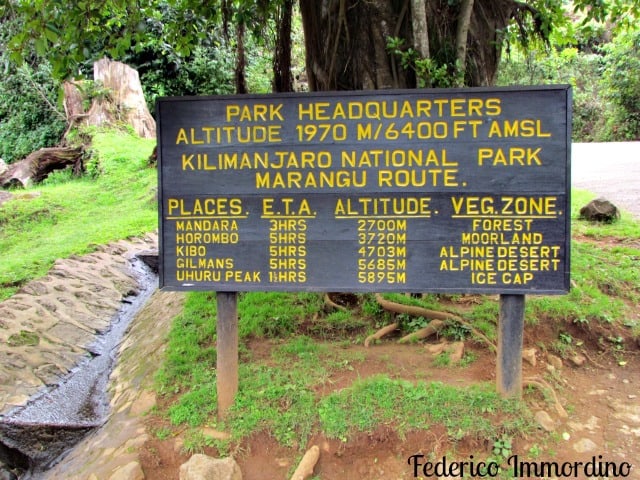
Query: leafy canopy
(70, 34)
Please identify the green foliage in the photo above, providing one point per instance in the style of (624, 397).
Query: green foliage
(179, 48)
(502, 446)
(564, 66)
(412, 324)
(598, 54)
(29, 119)
(622, 84)
(191, 357)
(76, 216)
(277, 399)
(25, 337)
(194, 406)
(430, 73)
(70, 33)
(442, 360)
(455, 331)
(208, 70)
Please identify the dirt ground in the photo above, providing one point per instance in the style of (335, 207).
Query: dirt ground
(600, 396)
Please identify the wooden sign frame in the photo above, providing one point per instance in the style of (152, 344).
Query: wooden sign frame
(442, 190)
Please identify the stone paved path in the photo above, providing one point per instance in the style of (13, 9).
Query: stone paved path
(50, 324)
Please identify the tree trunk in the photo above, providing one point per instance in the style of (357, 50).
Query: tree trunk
(282, 78)
(241, 61)
(125, 102)
(38, 165)
(462, 35)
(346, 43)
(420, 28)
(73, 102)
(346, 40)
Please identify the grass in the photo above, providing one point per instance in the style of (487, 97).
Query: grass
(60, 217)
(278, 394)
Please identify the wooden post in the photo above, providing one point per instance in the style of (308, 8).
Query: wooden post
(510, 331)
(227, 351)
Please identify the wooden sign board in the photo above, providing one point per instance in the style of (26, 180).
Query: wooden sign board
(453, 190)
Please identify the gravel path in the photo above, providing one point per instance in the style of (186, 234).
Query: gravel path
(611, 170)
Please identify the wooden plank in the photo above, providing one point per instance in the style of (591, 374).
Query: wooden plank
(510, 338)
(227, 351)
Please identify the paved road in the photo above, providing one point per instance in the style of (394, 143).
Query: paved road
(610, 170)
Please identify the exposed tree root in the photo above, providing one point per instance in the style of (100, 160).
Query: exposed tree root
(432, 314)
(307, 464)
(543, 385)
(381, 333)
(434, 327)
(592, 360)
(330, 303)
(413, 310)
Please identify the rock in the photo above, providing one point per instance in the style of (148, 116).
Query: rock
(578, 359)
(6, 474)
(529, 355)
(203, 467)
(545, 421)
(585, 445)
(554, 361)
(437, 348)
(600, 210)
(62, 314)
(456, 351)
(130, 471)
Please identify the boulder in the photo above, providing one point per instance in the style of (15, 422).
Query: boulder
(529, 355)
(545, 421)
(600, 210)
(203, 467)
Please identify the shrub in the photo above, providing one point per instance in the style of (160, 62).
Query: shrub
(28, 118)
(621, 84)
(565, 66)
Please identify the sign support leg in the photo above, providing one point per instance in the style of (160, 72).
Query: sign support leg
(510, 333)
(227, 351)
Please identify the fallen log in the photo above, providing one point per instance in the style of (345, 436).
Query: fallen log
(39, 164)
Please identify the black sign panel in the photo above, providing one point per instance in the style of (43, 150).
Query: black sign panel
(455, 190)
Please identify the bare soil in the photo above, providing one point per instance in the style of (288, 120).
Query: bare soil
(597, 395)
